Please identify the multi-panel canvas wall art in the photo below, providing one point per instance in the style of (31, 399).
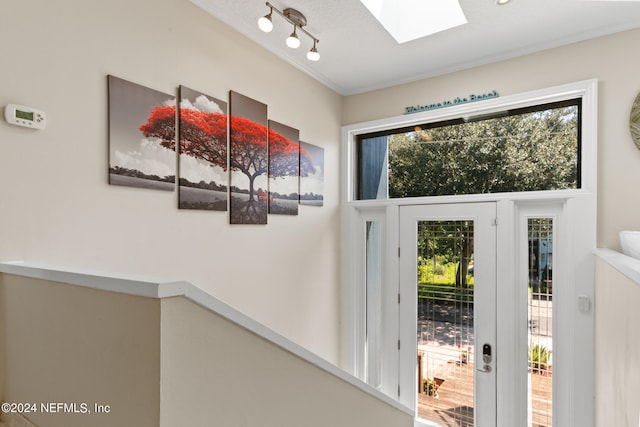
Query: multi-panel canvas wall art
(202, 132)
(311, 176)
(248, 160)
(284, 168)
(141, 136)
(224, 154)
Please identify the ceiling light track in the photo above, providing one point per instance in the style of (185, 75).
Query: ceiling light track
(298, 20)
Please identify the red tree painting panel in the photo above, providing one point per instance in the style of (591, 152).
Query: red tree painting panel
(287, 164)
(202, 132)
(312, 182)
(136, 157)
(284, 168)
(248, 160)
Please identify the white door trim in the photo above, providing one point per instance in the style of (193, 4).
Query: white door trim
(579, 207)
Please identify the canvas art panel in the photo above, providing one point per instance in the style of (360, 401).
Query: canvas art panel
(248, 160)
(202, 135)
(141, 136)
(312, 179)
(284, 168)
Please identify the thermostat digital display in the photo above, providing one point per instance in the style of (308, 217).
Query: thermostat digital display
(21, 115)
(26, 115)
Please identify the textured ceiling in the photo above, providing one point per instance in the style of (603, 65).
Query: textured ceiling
(358, 55)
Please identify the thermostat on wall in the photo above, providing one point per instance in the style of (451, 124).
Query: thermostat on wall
(25, 116)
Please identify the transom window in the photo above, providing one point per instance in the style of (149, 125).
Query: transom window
(526, 149)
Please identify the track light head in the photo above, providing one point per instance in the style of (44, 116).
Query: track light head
(265, 23)
(293, 41)
(313, 54)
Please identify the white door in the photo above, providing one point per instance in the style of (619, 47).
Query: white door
(448, 313)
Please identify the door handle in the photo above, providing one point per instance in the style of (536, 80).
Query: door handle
(485, 368)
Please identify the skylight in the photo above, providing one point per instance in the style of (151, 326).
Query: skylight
(408, 20)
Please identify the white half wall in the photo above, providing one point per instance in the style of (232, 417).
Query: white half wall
(77, 346)
(83, 349)
(214, 372)
(617, 347)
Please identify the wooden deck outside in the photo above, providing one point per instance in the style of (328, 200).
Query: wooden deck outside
(452, 406)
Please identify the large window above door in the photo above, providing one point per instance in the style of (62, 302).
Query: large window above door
(533, 148)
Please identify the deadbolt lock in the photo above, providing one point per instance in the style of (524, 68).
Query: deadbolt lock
(486, 353)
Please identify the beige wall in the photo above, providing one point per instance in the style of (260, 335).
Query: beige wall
(609, 59)
(2, 346)
(70, 344)
(617, 348)
(212, 369)
(58, 209)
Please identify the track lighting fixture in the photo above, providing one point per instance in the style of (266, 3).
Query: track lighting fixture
(298, 20)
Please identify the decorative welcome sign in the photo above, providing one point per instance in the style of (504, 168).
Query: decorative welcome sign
(457, 101)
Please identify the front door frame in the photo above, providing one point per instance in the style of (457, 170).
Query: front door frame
(578, 205)
(484, 216)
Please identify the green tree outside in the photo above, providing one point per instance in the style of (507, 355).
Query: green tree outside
(526, 152)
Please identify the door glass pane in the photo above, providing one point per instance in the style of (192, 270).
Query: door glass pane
(540, 312)
(445, 322)
(374, 303)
